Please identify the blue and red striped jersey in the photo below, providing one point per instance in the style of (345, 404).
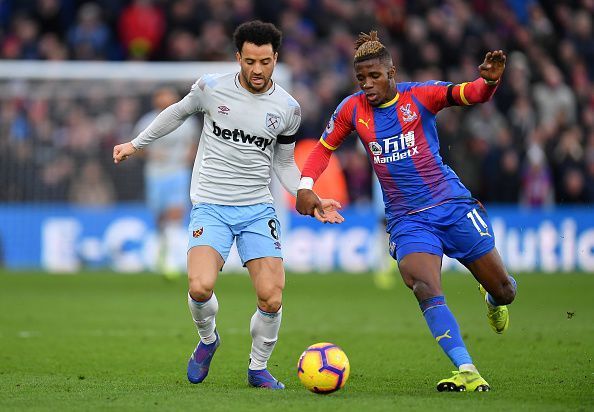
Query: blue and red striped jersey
(401, 140)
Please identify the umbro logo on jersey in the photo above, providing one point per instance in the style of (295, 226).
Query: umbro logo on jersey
(238, 135)
(223, 109)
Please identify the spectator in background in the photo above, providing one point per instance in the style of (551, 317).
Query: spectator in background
(590, 170)
(141, 29)
(500, 174)
(214, 42)
(442, 37)
(55, 179)
(53, 17)
(567, 155)
(91, 186)
(522, 118)
(183, 15)
(537, 183)
(554, 100)
(22, 41)
(89, 38)
(582, 36)
(167, 173)
(574, 187)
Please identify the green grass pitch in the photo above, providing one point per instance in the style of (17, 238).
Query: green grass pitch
(100, 341)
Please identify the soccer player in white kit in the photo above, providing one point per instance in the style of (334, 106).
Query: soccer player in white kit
(249, 128)
(167, 173)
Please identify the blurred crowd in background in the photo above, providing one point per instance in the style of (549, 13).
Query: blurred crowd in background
(533, 144)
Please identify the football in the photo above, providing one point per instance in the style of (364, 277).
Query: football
(323, 368)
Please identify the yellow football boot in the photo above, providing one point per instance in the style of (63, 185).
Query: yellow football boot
(498, 316)
(464, 381)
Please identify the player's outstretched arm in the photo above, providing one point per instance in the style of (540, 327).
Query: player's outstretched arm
(468, 93)
(123, 151)
(492, 67)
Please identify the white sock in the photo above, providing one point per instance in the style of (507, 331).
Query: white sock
(204, 314)
(264, 329)
(467, 367)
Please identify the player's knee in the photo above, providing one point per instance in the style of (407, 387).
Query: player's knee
(271, 305)
(270, 300)
(199, 290)
(506, 293)
(424, 290)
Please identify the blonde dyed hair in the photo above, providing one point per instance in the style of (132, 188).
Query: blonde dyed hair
(369, 46)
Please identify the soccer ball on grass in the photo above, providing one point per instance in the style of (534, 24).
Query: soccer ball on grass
(323, 368)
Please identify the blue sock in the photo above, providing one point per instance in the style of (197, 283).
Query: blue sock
(445, 330)
(493, 301)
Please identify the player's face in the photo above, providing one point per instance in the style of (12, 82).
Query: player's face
(376, 79)
(257, 64)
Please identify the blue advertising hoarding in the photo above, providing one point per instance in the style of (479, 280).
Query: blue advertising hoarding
(122, 238)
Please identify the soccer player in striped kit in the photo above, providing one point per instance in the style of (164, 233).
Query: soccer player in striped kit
(429, 212)
(249, 130)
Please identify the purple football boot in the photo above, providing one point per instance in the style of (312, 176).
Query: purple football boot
(199, 362)
(263, 379)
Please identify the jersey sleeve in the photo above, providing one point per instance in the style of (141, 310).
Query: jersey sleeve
(436, 95)
(197, 99)
(338, 128)
(293, 118)
(340, 125)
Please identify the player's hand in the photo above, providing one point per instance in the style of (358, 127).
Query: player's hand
(307, 201)
(492, 68)
(123, 151)
(324, 210)
(330, 208)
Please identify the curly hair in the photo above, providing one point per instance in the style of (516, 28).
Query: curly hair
(259, 33)
(369, 46)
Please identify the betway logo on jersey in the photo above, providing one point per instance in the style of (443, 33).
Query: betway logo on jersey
(394, 148)
(238, 135)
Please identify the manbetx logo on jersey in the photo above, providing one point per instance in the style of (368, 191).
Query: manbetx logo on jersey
(397, 147)
(238, 135)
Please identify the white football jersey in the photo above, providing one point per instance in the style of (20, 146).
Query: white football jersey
(169, 154)
(235, 156)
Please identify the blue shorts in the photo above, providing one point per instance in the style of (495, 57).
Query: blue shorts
(460, 228)
(167, 191)
(255, 228)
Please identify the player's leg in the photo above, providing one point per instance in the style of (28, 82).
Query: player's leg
(204, 264)
(385, 275)
(155, 195)
(418, 251)
(175, 205)
(497, 286)
(259, 247)
(268, 278)
(421, 272)
(472, 242)
(210, 242)
(171, 222)
(490, 272)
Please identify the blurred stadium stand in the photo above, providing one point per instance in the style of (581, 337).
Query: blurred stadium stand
(533, 145)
